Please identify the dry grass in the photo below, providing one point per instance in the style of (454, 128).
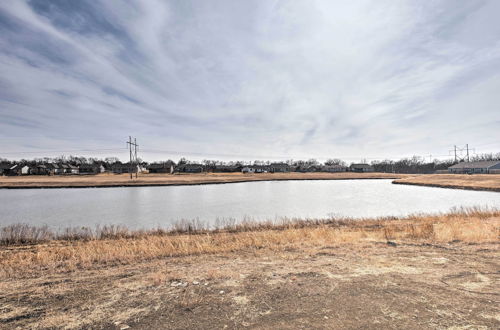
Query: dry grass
(468, 225)
(458, 181)
(114, 180)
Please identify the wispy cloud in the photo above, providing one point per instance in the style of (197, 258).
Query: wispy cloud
(284, 79)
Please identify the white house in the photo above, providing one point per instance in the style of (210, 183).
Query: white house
(248, 169)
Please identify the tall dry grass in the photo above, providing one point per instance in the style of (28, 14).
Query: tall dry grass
(117, 245)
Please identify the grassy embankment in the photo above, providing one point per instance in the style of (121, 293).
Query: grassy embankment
(417, 272)
(31, 250)
(119, 180)
(488, 182)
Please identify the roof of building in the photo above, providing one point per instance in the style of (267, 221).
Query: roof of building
(481, 164)
(161, 165)
(190, 166)
(90, 165)
(227, 166)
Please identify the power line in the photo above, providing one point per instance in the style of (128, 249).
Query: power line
(178, 152)
(59, 151)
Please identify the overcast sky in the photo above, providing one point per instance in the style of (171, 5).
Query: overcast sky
(249, 79)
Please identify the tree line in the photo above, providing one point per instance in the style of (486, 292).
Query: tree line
(413, 164)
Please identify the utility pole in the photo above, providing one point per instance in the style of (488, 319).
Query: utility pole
(135, 150)
(130, 144)
(467, 146)
(455, 153)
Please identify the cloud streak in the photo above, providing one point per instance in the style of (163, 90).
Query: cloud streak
(283, 79)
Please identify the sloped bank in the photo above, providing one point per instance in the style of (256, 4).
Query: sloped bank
(479, 182)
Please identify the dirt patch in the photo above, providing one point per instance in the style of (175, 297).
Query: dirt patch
(356, 286)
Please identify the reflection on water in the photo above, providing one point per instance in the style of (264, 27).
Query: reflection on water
(146, 207)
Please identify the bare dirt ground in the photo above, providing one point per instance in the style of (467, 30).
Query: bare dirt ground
(367, 285)
(457, 181)
(114, 180)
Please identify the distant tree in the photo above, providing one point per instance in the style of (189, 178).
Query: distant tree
(485, 157)
(312, 162)
(111, 160)
(183, 161)
(335, 161)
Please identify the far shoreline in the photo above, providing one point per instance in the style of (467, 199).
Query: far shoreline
(107, 180)
(187, 183)
(476, 182)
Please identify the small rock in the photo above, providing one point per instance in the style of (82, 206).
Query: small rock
(177, 284)
(196, 282)
(221, 291)
(206, 283)
(124, 326)
(326, 317)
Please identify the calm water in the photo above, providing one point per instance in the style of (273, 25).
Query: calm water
(146, 207)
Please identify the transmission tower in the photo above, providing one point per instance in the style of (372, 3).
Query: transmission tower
(133, 156)
(462, 153)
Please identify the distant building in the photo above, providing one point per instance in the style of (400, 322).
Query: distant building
(256, 169)
(166, 167)
(279, 167)
(189, 168)
(333, 168)
(482, 167)
(308, 168)
(41, 169)
(18, 169)
(248, 169)
(73, 169)
(361, 168)
(91, 169)
(262, 168)
(227, 168)
(58, 169)
(4, 168)
(54, 168)
(119, 168)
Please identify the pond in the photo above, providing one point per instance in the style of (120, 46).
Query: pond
(150, 207)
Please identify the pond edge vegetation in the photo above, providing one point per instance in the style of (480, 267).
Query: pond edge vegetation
(28, 250)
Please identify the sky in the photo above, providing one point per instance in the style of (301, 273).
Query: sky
(247, 80)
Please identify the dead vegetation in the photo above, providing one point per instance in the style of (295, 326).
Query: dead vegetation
(489, 182)
(117, 245)
(119, 180)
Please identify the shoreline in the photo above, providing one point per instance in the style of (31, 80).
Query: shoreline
(156, 180)
(476, 182)
(436, 185)
(131, 185)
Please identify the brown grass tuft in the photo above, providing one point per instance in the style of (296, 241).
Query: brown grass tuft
(116, 245)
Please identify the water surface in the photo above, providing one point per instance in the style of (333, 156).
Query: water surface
(148, 207)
